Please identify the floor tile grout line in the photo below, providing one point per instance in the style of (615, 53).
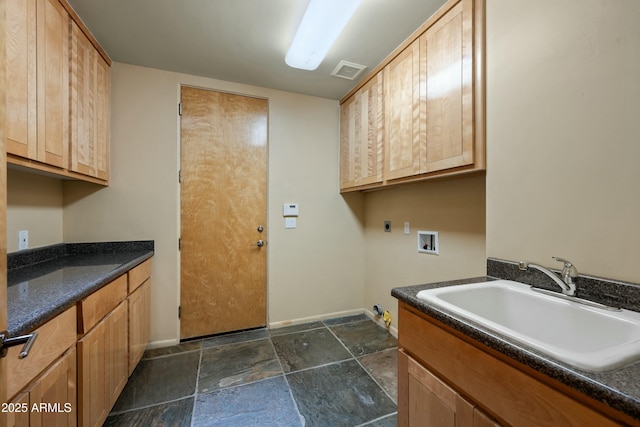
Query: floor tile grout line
(295, 332)
(286, 380)
(164, 356)
(195, 392)
(362, 366)
(236, 342)
(373, 378)
(368, 423)
(139, 408)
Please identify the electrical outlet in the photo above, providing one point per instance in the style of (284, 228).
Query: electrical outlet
(23, 239)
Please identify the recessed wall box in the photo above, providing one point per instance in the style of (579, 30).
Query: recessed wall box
(428, 242)
(291, 209)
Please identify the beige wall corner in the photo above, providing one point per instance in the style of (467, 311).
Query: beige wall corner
(563, 101)
(34, 203)
(454, 207)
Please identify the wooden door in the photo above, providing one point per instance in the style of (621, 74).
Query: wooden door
(404, 132)
(449, 96)
(223, 203)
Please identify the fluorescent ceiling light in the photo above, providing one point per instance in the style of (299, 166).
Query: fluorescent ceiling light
(321, 25)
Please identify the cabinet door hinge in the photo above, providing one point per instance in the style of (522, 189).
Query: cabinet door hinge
(179, 311)
(179, 244)
(180, 176)
(180, 108)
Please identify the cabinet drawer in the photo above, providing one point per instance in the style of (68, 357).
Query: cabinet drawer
(139, 274)
(54, 338)
(97, 305)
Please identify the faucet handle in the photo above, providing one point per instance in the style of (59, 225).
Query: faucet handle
(569, 269)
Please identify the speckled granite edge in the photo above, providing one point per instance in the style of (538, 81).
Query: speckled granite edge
(619, 389)
(29, 257)
(614, 293)
(44, 311)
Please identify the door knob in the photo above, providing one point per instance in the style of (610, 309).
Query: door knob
(260, 243)
(260, 229)
(27, 340)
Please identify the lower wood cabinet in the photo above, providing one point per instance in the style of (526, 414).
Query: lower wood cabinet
(432, 403)
(102, 367)
(139, 323)
(51, 399)
(448, 379)
(82, 358)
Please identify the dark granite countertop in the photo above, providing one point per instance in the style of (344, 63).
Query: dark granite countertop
(43, 282)
(619, 388)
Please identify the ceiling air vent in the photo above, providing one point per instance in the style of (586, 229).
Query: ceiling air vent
(348, 70)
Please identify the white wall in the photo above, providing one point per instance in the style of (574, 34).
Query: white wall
(34, 203)
(563, 104)
(313, 270)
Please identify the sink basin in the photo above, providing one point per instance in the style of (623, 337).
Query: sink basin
(588, 338)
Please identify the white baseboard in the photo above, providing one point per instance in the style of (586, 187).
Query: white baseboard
(301, 320)
(164, 343)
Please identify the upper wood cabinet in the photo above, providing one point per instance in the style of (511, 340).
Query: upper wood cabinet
(362, 136)
(449, 96)
(433, 101)
(57, 118)
(89, 108)
(402, 79)
(37, 33)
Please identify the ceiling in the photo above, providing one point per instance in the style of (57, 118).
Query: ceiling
(245, 41)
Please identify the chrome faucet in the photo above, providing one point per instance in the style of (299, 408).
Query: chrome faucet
(569, 274)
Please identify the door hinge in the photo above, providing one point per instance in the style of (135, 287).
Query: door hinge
(180, 108)
(180, 176)
(179, 244)
(179, 311)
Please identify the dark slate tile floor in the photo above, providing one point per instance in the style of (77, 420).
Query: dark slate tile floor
(338, 372)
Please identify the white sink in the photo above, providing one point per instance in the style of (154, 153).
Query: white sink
(588, 338)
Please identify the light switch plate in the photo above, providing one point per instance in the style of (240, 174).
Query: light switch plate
(290, 222)
(23, 239)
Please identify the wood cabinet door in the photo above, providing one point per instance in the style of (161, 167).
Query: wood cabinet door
(21, 95)
(55, 390)
(53, 83)
(370, 141)
(349, 123)
(362, 136)
(89, 140)
(449, 91)
(19, 416)
(117, 356)
(103, 118)
(83, 103)
(92, 388)
(404, 124)
(139, 323)
(432, 403)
